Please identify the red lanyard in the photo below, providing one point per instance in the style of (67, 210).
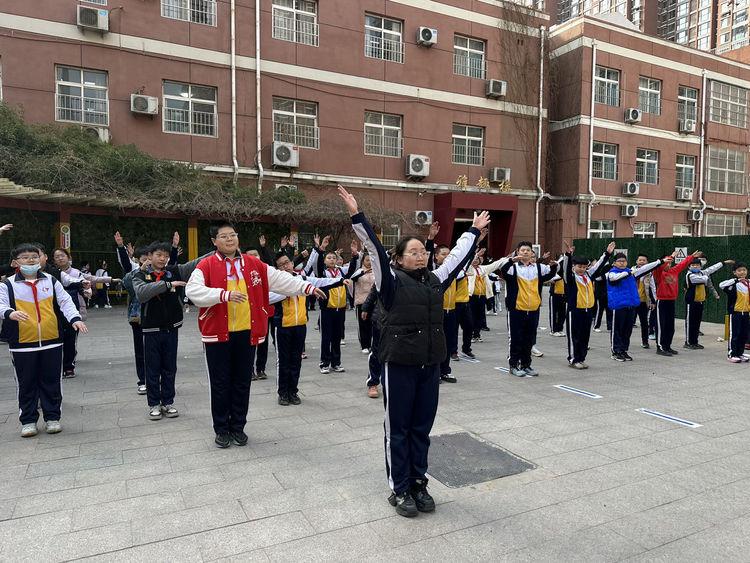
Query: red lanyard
(36, 299)
(159, 275)
(233, 268)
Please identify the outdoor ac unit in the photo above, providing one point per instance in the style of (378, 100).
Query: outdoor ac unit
(144, 104)
(632, 115)
(695, 215)
(687, 125)
(629, 210)
(93, 18)
(499, 175)
(417, 166)
(285, 155)
(631, 188)
(496, 88)
(98, 133)
(684, 194)
(423, 217)
(427, 36)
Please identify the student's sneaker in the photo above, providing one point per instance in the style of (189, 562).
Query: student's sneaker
(557, 334)
(238, 438)
(108, 306)
(448, 377)
(141, 388)
(672, 351)
(262, 375)
(372, 392)
(365, 350)
(154, 413)
(53, 427)
(69, 374)
(652, 337)
(645, 345)
(404, 503)
(169, 411)
(577, 365)
(325, 369)
(223, 440)
(294, 399)
(29, 430)
(698, 347)
(304, 356)
(733, 359)
(518, 372)
(689, 346)
(585, 365)
(628, 357)
(531, 372)
(618, 357)
(454, 358)
(338, 369)
(536, 352)
(663, 352)
(283, 400)
(469, 354)
(597, 330)
(254, 377)
(423, 499)
(343, 342)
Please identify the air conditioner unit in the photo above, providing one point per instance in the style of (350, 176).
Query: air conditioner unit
(683, 194)
(285, 155)
(695, 215)
(423, 217)
(98, 133)
(496, 88)
(631, 188)
(144, 104)
(632, 115)
(427, 36)
(499, 175)
(417, 166)
(93, 18)
(687, 125)
(629, 210)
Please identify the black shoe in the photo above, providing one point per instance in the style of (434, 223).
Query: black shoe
(254, 377)
(485, 329)
(627, 357)
(294, 399)
(672, 351)
(262, 375)
(454, 357)
(646, 345)
(223, 440)
(688, 346)
(283, 400)
(698, 347)
(448, 377)
(618, 357)
(238, 438)
(469, 355)
(661, 352)
(700, 333)
(423, 499)
(404, 503)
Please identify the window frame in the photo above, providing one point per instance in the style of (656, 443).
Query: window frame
(604, 156)
(469, 159)
(646, 93)
(689, 232)
(191, 101)
(395, 152)
(642, 233)
(736, 220)
(726, 171)
(685, 102)
(298, 18)
(726, 103)
(606, 84)
(680, 167)
(646, 166)
(295, 115)
(600, 231)
(390, 235)
(462, 63)
(83, 86)
(182, 10)
(370, 49)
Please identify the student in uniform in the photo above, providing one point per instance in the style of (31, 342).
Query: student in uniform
(371, 311)
(362, 280)
(645, 304)
(737, 289)
(464, 320)
(557, 304)
(479, 289)
(696, 281)
(412, 347)
(602, 302)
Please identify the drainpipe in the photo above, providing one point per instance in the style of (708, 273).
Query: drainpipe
(234, 93)
(702, 153)
(258, 116)
(591, 141)
(539, 137)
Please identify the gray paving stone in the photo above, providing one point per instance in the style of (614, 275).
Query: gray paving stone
(168, 482)
(123, 472)
(73, 464)
(347, 544)
(69, 498)
(184, 549)
(264, 484)
(126, 510)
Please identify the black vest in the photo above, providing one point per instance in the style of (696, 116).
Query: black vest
(411, 331)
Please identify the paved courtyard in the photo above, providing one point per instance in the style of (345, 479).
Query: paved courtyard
(611, 483)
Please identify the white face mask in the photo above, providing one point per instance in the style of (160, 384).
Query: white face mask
(30, 269)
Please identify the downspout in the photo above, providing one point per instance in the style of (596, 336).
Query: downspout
(539, 137)
(234, 93)
(591, 141)
(702, 152)
(258, 116)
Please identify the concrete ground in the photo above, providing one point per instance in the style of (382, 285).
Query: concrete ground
(611, 483)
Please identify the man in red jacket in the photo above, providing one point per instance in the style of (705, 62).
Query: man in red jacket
(667, 280)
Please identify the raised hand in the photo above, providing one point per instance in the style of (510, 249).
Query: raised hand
(434, 230)
(284, 241)
(305, 253)
(179, 251)
(611, 247)
(130, 250)
(349, 201)
(481, 220)
(697, 254)
(728, 262)
(5, 228)
(175, 239)
(354, 247)
(316, 239)
(262, 240)
(546, 256)
(118, 239)
(326, 241)
(483, 234)
(292, 241)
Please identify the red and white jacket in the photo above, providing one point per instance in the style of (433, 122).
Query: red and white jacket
(207, 289)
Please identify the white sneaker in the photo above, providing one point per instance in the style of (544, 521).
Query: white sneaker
(108, 306)
(343, 342)
(597, 330)
(338, 369)
(29, 430)
(536, 352)
(142, 389)
(365, 350)
(53, 427)
(325, 369)
(169, 411)
(154, 413)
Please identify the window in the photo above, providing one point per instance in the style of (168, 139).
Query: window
(607, 88)
(604, 160)
(81, 96)
(687, 103)
(724, 225)
(391, 235)
(383, 39)
(649, 95)
(644, 230)
(647, 166)
(296, 122)
(100, 2)
(685, 171)
(726, 171)
(196, 11)
(383, 134)
(602, 229)
(189, 109)
(296, 21)
(468, 144)
(679, 230)
(728, 104)
(468, 57)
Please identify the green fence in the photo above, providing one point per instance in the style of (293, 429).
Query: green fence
(715, 250)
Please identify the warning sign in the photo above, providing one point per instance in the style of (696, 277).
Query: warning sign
(621, 251)
(681, 254)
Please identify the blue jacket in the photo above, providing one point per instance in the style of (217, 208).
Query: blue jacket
(622, 293)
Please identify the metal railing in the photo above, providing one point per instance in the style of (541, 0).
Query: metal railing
(382, 145)
(307, 136)
(288, 28)
(464, 154)
(189, 122)
(92, 111)
(196, 11)
(468, 66)
(731, 46)
(386, 49)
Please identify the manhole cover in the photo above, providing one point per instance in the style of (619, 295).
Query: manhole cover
(458, 460)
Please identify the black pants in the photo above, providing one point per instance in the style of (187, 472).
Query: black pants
(160, 353)
(557, 311)
(229, 374)
(478, 304)
(140, 365)
(521, 336)
(311, 299)
(664, 324)
(602, 309)
(466, 322)
(693, 318)
(622, 329)
(70, 339)
(38, 379)
(738, 331)
(578, 329)
(643, 320)
(375, 368)
(450, 329)
(290, 342)
(410, 395)
(102, 297)
(491, 304)
(331, 321)
(652, 321)
(261, 354)
(365, 329)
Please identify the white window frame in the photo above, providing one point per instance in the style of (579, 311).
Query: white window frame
(390, 236)
(465, 59)
(465, 149)
(298, 132)
(378, 46)
(602, 228)
(685, 171)
(722, 225)
(646, 166)
(649, 95)
(600, 157)
(644, 229)
(726, 171)
(185, 10)
(297, 24)
(97, 2)
(728, 104)
(607, 87)
(682, 230)
(191, 123)
(687, 103)
(68, 104)
(377, 143)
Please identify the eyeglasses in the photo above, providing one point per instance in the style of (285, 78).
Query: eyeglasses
(416, 254)
(228, 236)
(31, 259)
